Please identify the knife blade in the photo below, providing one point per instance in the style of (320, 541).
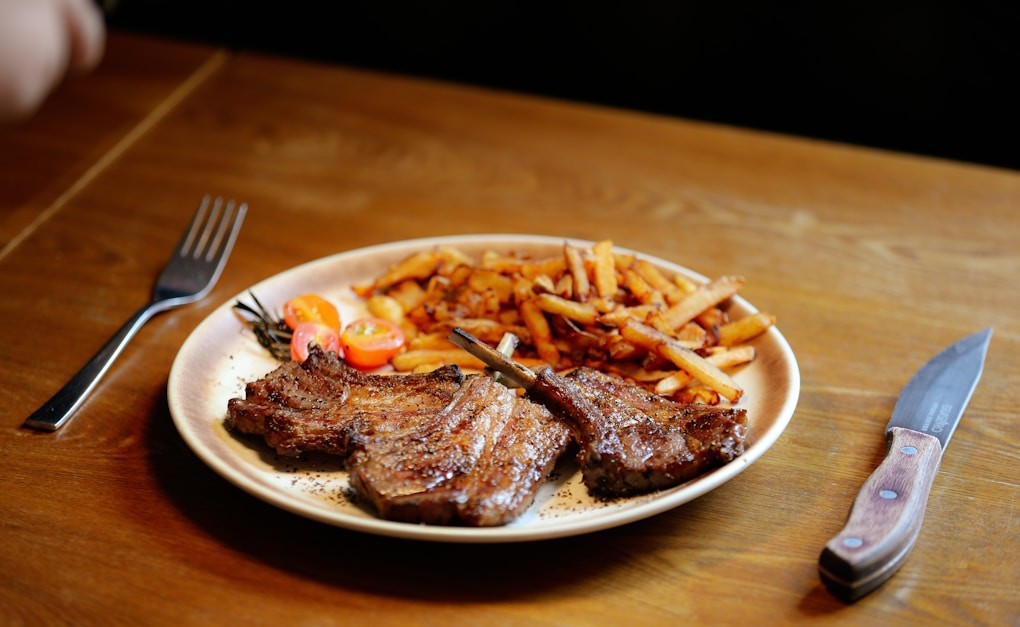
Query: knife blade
(885, 518)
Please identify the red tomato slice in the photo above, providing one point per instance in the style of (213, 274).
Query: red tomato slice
(370, 342)
(310, 308)
(308, 332)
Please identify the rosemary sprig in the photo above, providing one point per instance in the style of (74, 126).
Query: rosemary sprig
(271, 331)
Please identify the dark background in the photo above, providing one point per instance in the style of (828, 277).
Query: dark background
(934, 78)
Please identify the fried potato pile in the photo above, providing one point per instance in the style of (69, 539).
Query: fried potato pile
(586, 307)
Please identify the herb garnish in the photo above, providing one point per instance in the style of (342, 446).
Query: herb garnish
(271, 331)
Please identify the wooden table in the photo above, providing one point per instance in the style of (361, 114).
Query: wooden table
(872, 262)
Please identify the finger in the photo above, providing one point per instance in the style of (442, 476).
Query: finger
(86, 33)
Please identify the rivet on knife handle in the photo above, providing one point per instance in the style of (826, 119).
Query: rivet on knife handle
(885, 519)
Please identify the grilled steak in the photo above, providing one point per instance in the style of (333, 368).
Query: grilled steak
(632, 440)
(479, 461)
(318, 404)
(435, 448)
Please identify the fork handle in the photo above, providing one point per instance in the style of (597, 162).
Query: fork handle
(56, 411)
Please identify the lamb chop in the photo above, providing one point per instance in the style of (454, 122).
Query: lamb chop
(631, 440)
(479, 461)
(318, 404)
(437, 448)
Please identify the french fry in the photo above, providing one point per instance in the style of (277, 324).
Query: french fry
(408, 293)
(456, 275)
(523, 289)
(730, 357)
(657, 321)
(585, 313)
(508, 265)
(544, 283)
(671, 292)
(623, 260)
(697, 394)
(686, 284)
(692, 335)
(604, 269)
(552, 267)
(641, 289)
(436, 289)
(510, 317)
(620, 350)
(711, 319)
(640, 373)
(425, 368)
(486, 280)
(541, 334)
(578, 273)
(407, 361)
(431, 341)
(740, 331)
(418, 266)
(452, 257)
(389, 308)
(705, 296)
(617, 316)
(667, 386)
(565, 286)
(386, 307)
(603, 305)
(684, 358)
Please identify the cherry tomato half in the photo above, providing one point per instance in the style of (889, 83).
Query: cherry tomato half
(310, 308)
(370, 342)
(308, 332)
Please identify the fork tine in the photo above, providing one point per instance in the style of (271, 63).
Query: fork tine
(214, 215)
(193, 228)
(217, 240)
(229, 229)
(213, 229)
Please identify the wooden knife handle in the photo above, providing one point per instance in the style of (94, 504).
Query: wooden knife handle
(885, 518)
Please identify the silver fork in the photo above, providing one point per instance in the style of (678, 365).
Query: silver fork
(188, 276)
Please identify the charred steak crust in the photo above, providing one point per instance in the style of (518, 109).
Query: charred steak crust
(632, 440)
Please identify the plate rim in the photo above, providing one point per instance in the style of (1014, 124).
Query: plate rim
(549, 529)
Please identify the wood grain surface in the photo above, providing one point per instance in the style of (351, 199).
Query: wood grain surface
(872, 262)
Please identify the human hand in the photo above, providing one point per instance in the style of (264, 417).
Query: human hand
(42, 41)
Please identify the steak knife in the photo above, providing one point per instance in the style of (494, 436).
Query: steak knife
(886, 515)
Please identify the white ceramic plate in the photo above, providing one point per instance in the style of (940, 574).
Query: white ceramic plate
(221, 355)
